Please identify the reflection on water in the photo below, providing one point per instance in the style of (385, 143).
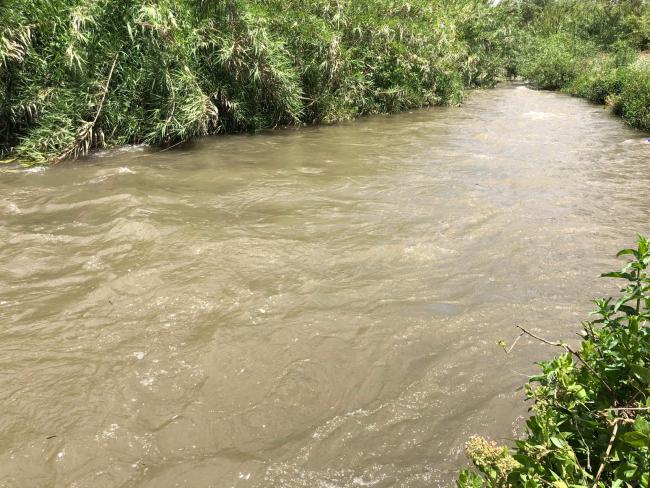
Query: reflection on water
(304, 308)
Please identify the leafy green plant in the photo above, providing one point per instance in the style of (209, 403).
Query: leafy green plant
(77, 75)
(590, 422)
(633, 101)
(553, 62)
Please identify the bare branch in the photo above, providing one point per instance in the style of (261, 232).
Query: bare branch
(81, 143)
(512, 346)
(627, 409)
(607, 453)
(568, 349)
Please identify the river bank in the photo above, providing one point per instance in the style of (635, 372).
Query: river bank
(75, 77)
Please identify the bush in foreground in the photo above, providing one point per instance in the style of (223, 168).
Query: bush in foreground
(590, 422)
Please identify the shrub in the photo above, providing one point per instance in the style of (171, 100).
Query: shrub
(633, 103)
(553, 62)
(597, 82)
(590, 422)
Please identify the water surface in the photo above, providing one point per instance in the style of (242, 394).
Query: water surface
(304, 308)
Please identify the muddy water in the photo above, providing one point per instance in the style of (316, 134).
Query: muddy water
(305, 308)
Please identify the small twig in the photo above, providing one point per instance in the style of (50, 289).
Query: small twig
(607, 453)
(627, 409)
(541, 339)
(568, 349)
(583, 441)
(100, 105)
(512, 346)
(587, 325)
(168, 147)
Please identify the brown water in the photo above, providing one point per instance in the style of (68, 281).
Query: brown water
(304, 308)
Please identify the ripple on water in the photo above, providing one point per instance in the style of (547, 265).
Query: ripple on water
(318, 307)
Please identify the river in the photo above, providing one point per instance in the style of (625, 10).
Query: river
(317, 307)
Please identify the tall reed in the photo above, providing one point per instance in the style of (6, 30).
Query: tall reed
(82, 74)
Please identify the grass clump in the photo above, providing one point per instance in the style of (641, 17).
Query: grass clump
(79, 74)
(590, 423)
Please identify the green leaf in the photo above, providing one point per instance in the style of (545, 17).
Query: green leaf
(627, 310)
(623, 252)
(636, 439)
(619, 274)
(469, 479)
(641, 372)
(642, 425)
(630, 470)
(624, 299)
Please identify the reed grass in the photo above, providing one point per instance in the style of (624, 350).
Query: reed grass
(82, 74)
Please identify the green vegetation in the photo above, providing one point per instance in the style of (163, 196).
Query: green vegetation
(593, 49)
(590, 423)
(78, 74)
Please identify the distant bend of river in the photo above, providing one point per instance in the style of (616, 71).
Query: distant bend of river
(304, 308)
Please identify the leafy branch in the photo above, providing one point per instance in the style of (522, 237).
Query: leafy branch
(591, 403)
